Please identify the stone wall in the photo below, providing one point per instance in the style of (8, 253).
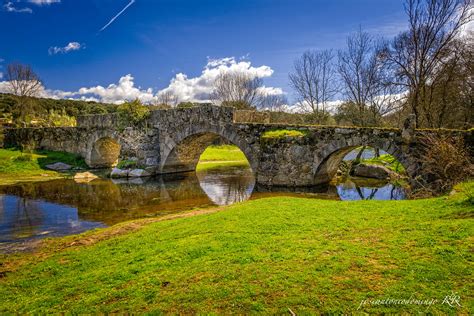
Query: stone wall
(100, 121)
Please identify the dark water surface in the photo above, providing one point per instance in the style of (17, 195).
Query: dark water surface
(30, 211)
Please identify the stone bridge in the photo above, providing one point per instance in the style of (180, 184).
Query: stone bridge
(172, 141)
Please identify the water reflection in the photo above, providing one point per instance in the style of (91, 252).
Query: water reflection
(352, 190)
(61, 207)
(235, 185)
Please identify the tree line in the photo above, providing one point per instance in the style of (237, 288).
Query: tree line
(426, 72)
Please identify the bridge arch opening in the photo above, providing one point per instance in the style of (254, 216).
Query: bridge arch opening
(201, 151)
(343, 161)
(104, 154)
(364, 172)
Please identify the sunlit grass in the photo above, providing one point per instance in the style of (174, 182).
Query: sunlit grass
(19, 166)
(221, 156)
(388, 161)
(267, 256)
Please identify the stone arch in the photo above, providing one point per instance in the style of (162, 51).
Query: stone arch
(327, 159)
(104, 150)
(181, 152)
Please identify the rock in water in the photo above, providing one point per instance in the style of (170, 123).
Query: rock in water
(138, 173)
(119, 173)
(372, 171)
(59, 166)
(84, 177)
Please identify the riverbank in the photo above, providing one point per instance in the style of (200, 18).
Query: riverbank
(270, 255)
(17, 166)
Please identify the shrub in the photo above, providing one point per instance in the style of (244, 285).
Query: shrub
(446, 162)
(24, 158)
(127, 164)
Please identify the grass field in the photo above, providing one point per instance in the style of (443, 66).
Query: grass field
(270, 255)
(221, 156)
(16, 166)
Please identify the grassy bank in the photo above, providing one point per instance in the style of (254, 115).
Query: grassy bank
(388, 161)
(221, 156)
(268, 255)
(16, 166)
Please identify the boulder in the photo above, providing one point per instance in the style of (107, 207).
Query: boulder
(371, 171)
(84, 176)
(59, 166)
(119, 173)
(138, 173)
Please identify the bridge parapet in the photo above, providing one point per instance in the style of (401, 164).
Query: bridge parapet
(100, 121)
(174, 117)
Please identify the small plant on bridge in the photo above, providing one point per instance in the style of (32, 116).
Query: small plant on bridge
(283, 133)
(127, 164)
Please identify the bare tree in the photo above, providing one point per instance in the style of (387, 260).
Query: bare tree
(238, 89)
(22, 80)
(24, 83)
(314, 80)
(367, 84)
(167, 98)
(274, 102)
(417, 54)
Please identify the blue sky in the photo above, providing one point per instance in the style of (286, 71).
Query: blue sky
(154, 40)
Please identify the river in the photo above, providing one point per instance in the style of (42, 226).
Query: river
(31, 211)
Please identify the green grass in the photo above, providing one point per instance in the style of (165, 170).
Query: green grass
(127, 164)
(223, 156)
(222, 153)
(18, 166)
(267, 256)
(282, 133)
(388, 161)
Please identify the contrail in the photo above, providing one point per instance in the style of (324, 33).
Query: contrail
(119, 14)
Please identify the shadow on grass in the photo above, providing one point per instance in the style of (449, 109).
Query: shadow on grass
(50, 157)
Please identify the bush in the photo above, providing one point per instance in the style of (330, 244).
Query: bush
(24, 158)
(127, 164)
(446, 162)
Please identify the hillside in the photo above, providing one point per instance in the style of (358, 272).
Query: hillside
(46, 111)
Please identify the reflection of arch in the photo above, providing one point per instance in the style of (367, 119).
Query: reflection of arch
(228, 189)
(104, 153)
(330, 156)
(181, 153)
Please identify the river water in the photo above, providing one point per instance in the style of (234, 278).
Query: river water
(30, 211)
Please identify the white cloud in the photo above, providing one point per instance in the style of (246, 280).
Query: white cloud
(9, 7)
(44, 2)
(125, 90)
(72, 46)
(198, 89)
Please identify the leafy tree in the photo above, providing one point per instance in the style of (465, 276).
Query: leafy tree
(133, 113)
